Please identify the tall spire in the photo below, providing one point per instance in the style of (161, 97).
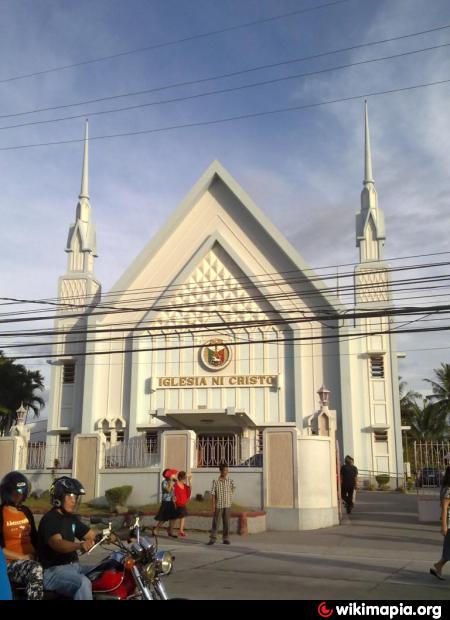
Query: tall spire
(370, 234)
(368, 177)
(84, 192)
(81, 243)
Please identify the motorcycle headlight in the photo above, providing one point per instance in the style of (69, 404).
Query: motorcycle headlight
(149, 572)
(164, 562)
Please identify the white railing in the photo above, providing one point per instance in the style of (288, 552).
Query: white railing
(49, 456)
(135, 452)
(230, 450)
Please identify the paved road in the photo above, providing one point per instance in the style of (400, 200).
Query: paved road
(379, 552)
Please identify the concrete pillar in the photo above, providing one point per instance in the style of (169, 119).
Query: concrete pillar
(87, 460)
(280, 475)
(317, 497)
(178, 450)
(299, 479)
(13, 454)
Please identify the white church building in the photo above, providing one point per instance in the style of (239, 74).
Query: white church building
(219, 329)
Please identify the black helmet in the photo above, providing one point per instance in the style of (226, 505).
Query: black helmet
(64, 486)
(14, 482)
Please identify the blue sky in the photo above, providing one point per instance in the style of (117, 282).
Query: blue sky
(304, 168)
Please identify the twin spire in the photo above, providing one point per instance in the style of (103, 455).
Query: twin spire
(81, 243)
(370, 233)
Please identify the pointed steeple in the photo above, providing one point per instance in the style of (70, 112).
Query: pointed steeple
(368, 176)
(81, 243)
(370, 233)
(84, 192)
(78, 288)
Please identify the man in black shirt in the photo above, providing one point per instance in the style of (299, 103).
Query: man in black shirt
(349, 479)
(57, 547)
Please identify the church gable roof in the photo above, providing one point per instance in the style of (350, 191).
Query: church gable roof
(215, 174)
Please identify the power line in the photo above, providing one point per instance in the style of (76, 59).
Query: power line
(261, 322)
(253, 277)
(232, 118)
(322, 338)
(209, 289)
(234, 73)
(174, 42)
(198, 332)
(222, 91)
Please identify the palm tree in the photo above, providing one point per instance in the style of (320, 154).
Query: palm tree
(428, 422)
(17, 385)
(441, 388)
(408, 402)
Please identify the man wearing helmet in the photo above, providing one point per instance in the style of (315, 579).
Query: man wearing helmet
(18, 536)
(57, 546)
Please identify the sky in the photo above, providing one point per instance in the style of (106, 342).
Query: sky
(303, 168)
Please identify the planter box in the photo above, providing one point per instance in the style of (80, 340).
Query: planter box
(428, 508)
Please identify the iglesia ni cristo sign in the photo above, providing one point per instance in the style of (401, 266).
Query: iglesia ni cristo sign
(215, 381)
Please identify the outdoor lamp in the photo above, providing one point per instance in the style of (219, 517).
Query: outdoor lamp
(324, 396)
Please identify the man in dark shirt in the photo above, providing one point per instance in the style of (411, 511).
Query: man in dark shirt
(349, 480)
(57, 547)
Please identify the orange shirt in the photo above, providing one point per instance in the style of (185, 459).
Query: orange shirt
(16, 531)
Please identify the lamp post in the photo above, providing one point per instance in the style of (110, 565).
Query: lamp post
(21, 415)
(324, 396)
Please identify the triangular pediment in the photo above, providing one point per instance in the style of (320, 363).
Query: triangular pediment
(217, 207)
(216, 290)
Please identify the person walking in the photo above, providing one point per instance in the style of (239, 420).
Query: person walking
(436, 569)
(182, 489)
(349, 482)
(167, 510)
(222, 495)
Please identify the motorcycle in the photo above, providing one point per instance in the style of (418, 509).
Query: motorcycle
(132, 572)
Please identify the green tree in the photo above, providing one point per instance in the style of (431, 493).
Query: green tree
(441, 389)
(17, 385)
(428, 422)
(408, 402)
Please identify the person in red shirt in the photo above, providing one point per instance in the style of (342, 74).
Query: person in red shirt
(182, 491)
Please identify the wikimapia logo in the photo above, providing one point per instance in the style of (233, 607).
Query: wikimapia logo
(391, 611)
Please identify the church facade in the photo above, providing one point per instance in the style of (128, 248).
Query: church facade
(220, 327)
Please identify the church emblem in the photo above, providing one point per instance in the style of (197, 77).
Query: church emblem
(215, 355)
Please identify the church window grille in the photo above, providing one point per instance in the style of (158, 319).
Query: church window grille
(259, 441)
(120, 436)
(377, 367)
(151, 442)
(381, 435)
(69, 372)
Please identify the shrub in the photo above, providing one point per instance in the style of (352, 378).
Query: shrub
(410, 484)
(383, 481)
(118, 496)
